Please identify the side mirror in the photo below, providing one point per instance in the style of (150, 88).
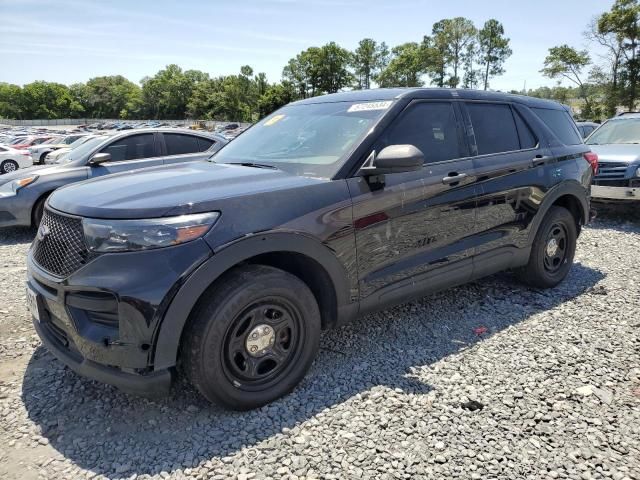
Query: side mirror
(99, 158)
(394, 159)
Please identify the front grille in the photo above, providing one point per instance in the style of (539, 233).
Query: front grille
(611, 170)
(59, 247)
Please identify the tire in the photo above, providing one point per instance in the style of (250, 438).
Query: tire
(258, 309)
(8, 166)
(38, 211)
(552, 251)
(42, 157)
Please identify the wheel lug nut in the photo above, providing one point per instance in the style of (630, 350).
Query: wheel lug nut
(253, 349)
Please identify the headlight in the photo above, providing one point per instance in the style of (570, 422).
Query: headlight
(15, 185)
(129, 235)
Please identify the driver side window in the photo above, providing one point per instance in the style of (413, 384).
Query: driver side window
(132, 147)
(429, 126)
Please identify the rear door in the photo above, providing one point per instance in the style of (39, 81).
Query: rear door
(412, 229)
(128, 153)
(505, 152)
(182, 147)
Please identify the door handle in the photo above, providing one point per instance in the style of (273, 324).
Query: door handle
(540, 160)
(453, 177)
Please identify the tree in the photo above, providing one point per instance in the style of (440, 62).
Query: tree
(460, 34)
(435, 52)
(623, 24)
(493, 49)
(10, 98)
(319, 70)
(167, 93)
(568, 63)
(274, 97)
(48, 100)
(110, 97)
(368, 60)
(405, 68)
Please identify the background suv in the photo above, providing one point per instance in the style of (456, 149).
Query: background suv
(329, 208)
(617, 143)
(23, 193)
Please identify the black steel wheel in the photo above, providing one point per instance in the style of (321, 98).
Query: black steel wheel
(252, 337)
(552, 251)
(262, 342)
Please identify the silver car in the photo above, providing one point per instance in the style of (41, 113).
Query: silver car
(23, 193)
(617, 143)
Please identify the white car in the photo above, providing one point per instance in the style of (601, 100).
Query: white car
(39, 152)
(54, 156)
(11, 159)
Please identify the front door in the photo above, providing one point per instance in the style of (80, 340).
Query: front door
(129, 153)
(413, 228)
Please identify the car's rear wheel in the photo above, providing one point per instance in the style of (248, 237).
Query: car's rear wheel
(42, 157)
(552, 251)
(253, 337)
(8, 166)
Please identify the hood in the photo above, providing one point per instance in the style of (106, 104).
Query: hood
(27, 172)
(191, 187)
(617, 153)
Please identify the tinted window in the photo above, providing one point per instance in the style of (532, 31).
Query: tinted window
(204, 143)
(527, 138)
(561, 124)
(429, 126)
(131, 147)
(494, 128)
(181, 144)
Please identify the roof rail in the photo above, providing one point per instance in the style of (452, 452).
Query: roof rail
(627, 113)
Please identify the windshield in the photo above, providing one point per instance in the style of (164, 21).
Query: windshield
(616, 131)
(52, 140)
(80, 151)
(311, 139)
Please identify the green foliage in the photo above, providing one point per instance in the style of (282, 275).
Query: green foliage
(368, 60)
(493, 49)
(405, 68)
(48, 100)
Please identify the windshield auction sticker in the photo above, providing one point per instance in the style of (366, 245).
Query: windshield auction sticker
(273, 120)
(364, 107)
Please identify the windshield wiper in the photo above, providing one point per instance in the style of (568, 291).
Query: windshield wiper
(257, 165)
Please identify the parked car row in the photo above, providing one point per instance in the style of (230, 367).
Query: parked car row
(327, 209)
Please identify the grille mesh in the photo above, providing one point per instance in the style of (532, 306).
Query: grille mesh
(611, 170)
(62, 250)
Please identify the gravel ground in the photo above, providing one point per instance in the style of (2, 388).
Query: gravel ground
(490, 380)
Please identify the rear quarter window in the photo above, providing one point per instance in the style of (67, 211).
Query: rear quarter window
(561, 124)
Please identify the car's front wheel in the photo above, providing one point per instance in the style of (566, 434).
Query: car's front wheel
(552, 251)
(8, 166)
(252, 338)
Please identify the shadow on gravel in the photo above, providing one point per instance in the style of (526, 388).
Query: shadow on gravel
(16, 235)
(625, 217)
(110, 433)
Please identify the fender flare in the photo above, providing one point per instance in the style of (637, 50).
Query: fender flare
(573, 189)
(169, 331)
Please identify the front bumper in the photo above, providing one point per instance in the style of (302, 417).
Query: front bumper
(103, 320)
(156, 383)
(599, 192)
(15, 210)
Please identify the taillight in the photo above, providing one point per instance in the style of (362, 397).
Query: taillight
(592, 158)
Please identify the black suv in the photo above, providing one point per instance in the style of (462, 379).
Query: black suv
(329, 208)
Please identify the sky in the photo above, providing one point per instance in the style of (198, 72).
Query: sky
(70, 41)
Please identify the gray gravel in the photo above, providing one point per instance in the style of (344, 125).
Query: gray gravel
(490, 380)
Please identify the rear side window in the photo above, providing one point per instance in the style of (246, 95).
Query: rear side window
(431, 127)
(178, 144)
(527, 138)
(131, 148)
(205, 143)
(561, 124)
(494, 128)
